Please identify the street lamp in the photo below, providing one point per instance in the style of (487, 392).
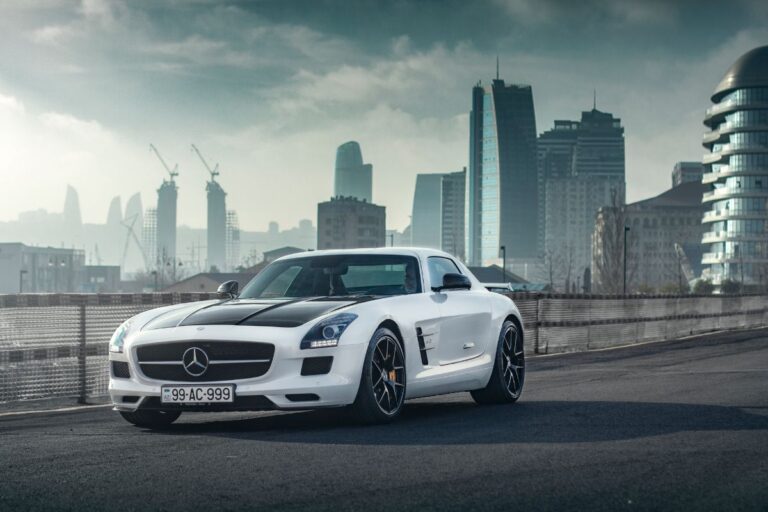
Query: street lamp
(503, 251)
(21, 280)
(626, 230)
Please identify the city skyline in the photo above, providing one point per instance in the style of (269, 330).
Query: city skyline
(101, 80)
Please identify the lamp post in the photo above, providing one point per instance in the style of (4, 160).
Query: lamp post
(503, 251)
(21, 280)
(626, 230)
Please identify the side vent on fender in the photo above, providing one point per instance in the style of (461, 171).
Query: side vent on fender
(422, 347)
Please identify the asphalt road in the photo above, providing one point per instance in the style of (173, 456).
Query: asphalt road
(669, 426)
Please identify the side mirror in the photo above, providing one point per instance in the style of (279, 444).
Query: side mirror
(229, 289)
(454, 282)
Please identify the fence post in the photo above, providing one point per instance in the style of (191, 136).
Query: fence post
(538, 326)
(82, 357)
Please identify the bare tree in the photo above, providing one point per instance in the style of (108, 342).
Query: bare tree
(549, 267)
(608, 248)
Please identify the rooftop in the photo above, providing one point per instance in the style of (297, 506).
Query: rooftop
(750, 70)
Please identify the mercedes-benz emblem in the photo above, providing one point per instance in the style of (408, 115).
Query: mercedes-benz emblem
(195, 361)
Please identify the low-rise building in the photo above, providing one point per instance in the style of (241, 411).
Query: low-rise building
(663, 242)
(102, 279)
(348, 223)
(208, 282)
(683, 172)
(28, 269)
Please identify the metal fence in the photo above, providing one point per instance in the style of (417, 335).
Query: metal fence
(56, 345)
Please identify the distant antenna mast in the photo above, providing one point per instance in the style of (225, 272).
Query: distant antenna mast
(213, 172)
(497, 67)
(594, 99)
(172, 173)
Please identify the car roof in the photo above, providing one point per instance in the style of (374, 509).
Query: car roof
(420, 252)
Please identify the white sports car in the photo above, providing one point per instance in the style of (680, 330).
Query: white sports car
(362, 328)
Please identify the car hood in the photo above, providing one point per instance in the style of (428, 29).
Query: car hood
(253, 312)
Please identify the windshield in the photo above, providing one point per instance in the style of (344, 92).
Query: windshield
(335, 276)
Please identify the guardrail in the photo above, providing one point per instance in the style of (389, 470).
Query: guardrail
(56, 345)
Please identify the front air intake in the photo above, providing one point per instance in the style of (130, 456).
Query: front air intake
(316, 365)
(120, 370)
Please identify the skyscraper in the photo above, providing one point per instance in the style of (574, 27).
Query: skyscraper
(582, 168)
(503, 189)
(353, 178)
(452, 205)
(165, 249)
(736, 172)
(425, 216)
(216, 234)
(437, 217)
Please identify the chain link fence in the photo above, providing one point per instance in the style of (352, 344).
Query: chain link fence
(55, 346)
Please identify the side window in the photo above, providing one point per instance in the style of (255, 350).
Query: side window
(438, 267)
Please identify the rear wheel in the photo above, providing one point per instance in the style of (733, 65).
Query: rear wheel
(381, 393)
(508, 377)
(151, 419)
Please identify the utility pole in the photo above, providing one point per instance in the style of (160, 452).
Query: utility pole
(503, 250)
(626, 230)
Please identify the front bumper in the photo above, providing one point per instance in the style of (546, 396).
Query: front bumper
(281, 387)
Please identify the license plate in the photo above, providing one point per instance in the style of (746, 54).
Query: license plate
(197, 394)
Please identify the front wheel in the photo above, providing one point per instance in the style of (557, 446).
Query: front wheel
(150, 418)
(381, 393)
(508, 377)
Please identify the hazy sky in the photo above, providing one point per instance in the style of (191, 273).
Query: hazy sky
(269, 89)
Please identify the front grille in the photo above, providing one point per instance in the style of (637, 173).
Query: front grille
(227, 360)
(120, 370)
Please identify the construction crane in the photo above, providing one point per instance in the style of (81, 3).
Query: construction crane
(131, 235)
(213, 172)
(685, 264)
(172, 173)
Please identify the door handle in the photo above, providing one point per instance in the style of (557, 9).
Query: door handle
(468, 345)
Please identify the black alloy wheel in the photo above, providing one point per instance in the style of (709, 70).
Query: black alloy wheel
(381, 394)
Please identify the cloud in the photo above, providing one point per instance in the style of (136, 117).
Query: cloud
(85, 131)
(54, 34)
(11, 104)
(618, 12)
(103, 12)
(40, 153)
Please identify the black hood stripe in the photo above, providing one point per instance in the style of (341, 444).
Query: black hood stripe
(256, 312)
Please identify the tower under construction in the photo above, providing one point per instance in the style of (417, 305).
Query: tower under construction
(167, 196)
(216, 233)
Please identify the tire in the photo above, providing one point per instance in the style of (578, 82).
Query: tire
(508, 376)
(150, 418)
(381, 393)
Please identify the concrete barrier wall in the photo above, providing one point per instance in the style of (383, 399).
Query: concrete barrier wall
(56, 345)
(556, 324)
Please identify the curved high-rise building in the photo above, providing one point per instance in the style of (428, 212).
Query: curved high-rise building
(353, 178)
(502, 183)
(736, 169)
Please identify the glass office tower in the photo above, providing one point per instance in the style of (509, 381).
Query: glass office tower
(502, 183)
(353, 178)
(736, 170)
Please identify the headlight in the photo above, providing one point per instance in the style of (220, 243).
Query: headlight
(327, 332)
(118, 338)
